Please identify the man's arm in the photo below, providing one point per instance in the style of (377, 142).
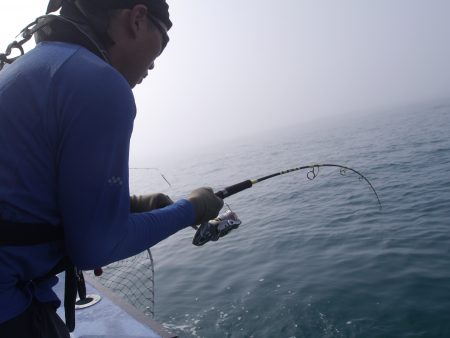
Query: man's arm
(93, 192)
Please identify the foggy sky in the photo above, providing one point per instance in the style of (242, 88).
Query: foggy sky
(239, 67)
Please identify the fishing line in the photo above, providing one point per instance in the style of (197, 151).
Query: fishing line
(162, 175)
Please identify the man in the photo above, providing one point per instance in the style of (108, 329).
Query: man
(66, 117)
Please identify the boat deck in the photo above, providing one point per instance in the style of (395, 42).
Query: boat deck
(111, 317)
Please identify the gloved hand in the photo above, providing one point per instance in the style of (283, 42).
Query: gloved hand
(206, 204)
(149, 202)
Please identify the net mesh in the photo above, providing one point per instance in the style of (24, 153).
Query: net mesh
(132, 279)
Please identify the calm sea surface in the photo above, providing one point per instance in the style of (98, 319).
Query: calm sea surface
(318, 258)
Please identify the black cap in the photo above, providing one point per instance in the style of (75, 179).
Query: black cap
(158, 8)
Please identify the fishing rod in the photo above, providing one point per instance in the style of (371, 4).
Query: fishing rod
(312, 174)
(227, 221)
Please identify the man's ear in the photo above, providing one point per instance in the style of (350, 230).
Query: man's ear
(138, 19)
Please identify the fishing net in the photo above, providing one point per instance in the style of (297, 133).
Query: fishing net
(132, 279)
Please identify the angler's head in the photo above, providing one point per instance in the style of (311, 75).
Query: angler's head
(132, 32)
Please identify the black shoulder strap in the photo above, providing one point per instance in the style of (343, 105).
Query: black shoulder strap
(12, 233)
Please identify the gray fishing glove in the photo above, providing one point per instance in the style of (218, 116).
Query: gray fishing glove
(149, 202)
(206, 204)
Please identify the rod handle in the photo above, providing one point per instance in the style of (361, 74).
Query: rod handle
(233, 189)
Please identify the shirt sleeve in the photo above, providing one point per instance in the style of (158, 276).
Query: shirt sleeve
(95, 110)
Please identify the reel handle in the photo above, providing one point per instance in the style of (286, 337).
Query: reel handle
(233, 189)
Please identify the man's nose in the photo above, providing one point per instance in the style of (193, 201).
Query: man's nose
(152, 65)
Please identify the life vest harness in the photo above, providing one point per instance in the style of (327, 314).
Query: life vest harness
(20, 234)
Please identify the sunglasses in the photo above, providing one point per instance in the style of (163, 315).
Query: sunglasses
(163, 30)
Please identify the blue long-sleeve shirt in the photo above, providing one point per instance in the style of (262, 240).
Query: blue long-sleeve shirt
(66, 119)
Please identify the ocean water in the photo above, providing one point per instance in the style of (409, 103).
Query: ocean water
(317, 258)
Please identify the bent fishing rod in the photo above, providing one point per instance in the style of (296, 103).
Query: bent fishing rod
(227, 221)
(312, 174)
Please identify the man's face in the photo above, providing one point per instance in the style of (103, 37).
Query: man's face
(157, 41)
(140, 38)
